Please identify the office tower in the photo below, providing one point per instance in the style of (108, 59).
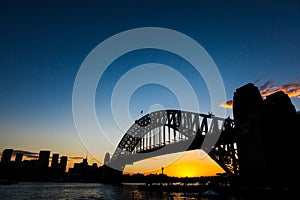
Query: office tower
(44, 157)
(19, 158)
(6, 156)
(54, 161)
(85, 162)
(106, 158)
(63, 163)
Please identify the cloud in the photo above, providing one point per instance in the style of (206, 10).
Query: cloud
(24, 152)
(259, 80)
(27, 154)
(291, 89)
(266, 85)
(80, 159)
(76, 158)
(227, 104)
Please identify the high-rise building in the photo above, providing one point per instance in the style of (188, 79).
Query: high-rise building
(85, 162)
(54, 161)
(266, 135)
(19, 158)
(44, 157)
(6, 156)
(63, 163)
(106, 158)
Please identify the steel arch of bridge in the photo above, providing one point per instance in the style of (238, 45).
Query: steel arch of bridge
(170, 131)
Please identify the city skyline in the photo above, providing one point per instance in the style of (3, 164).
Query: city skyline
(35, 156)
(43, 46)
(191, 171)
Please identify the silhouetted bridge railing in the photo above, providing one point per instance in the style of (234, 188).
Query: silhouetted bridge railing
(171, 131)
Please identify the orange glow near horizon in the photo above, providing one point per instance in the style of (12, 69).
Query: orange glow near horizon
(73, 160)
(291, 89)
(188, 164)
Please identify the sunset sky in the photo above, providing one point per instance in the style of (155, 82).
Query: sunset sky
(44, 43)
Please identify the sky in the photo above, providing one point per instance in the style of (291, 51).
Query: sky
(44, 45)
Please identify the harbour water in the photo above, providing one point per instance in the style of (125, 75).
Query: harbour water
(82, 191)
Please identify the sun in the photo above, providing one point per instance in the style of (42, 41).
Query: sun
(191, 164)
(184, 170)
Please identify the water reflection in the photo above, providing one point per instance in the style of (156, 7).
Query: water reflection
(82, 191)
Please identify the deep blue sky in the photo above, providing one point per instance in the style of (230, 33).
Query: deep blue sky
(43, 44)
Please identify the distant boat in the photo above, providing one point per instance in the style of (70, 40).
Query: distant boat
(210, 193)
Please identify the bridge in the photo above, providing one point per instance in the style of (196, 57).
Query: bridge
(170, 131)
(251, 147)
